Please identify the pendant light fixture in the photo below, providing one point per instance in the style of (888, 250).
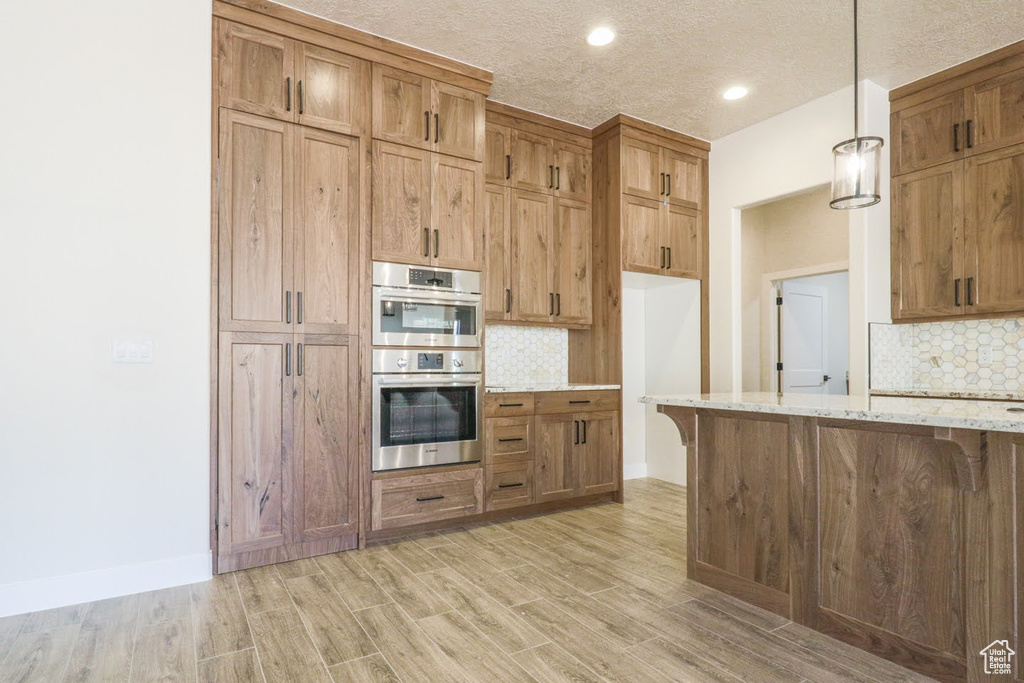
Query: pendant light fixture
(856, 163)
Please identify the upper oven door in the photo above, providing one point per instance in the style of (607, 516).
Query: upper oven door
(411, 317)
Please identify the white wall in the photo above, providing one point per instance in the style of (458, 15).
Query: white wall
(634, 383)
(104, 214)
(786, 154)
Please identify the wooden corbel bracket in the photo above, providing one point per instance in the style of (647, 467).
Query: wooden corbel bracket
(969, 451)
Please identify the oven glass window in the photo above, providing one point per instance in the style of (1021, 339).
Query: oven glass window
(404, 317)
(425, 415)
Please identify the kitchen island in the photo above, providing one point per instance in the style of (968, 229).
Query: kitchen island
(893, 524)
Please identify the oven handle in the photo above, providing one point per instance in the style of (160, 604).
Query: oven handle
(431, 381)
(412, 297)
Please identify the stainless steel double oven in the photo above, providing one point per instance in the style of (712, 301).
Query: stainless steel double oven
(427, 367)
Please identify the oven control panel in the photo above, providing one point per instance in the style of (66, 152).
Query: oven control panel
(415, 361)
(430, 278)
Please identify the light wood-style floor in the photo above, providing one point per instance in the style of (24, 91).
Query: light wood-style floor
(597, 594)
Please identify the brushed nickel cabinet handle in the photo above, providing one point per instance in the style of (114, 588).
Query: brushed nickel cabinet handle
(299, 361)
(287, 360)
(288, 308)
(298, 307)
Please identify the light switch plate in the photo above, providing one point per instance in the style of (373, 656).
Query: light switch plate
(131, 351)
(984, 355)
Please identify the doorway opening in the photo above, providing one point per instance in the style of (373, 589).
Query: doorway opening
(795, 243)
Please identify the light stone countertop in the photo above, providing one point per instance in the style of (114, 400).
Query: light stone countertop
(933, 412)
(972, 394)
(548, 387)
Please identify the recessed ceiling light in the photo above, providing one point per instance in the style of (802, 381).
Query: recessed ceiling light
(601, 36)
(736, 92)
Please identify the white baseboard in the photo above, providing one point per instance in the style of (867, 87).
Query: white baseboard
(638, 471)
(72, 589)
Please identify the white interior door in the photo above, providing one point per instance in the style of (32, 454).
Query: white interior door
(804, 338)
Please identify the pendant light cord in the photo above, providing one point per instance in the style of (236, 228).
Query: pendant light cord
(856, 108)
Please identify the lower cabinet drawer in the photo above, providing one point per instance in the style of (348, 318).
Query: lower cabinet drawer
(421, 498)
(508, 439)
(555, 402)
(509, 485)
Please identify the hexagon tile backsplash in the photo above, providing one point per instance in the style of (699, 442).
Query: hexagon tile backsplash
(515, 355)
(960, 356)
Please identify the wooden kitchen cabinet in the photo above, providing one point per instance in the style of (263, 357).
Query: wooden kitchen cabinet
(958, 192)
(270, 75)
(428, 209)
(641, 235)
(600, 460)
(539, 163)
(556, 469)
(290, 219)
(288, 447)
(416, 111)
(533, 162)
(498, 154)
(573, 172)
(684, 179)
(641, 169)
(550, 260)
(498, 238)
(682, 237)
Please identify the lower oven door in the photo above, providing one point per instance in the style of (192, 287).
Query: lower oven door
(423, 420)
(407, 317)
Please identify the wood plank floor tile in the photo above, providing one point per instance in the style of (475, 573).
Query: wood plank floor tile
(54, 618)
(169, 604)
(219, 618)
(403, 586)
(504, 589)
(468, 648)
(429, 539)
(610, 662)
(462, 561)
(106, 641)
(492, 554)
(551, 664)
(285, 650)
(354, 585)
(40, 655)
(235, 667)
(413, 655)
(602, 619)
(755, 616)
(262, 590)
(336, 633)
(499, 624)
(303, 567)
(164, 650)
(415, 557)
(680, 663)
(372, 669)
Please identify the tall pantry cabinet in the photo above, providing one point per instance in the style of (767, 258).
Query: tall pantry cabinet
(293, 113)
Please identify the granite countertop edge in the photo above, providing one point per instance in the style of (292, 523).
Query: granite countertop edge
(533, 388)
(930, 412)
(963, 394)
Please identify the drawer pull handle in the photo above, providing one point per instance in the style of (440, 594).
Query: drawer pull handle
(518, 438)
(575, 402)
(510, 405)
(509, 486)
(424, 500)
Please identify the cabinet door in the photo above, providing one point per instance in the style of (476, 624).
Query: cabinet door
(927, 243)
(457, 213)
(684, 179)
(255, 71)
(401, 204)
(533, 164)
(498, 238)
(995, 110)
(498, 154)
(458, 121)
(533, 293)
(994, 218)
(641, 245)
(327, 230)
(572, 263)
(928, 134)
(255, 223)
(681, 237)
(326, 473)
(641, 169)
(333, 90)
(401, 107)
(254, 443)
(572, 171)
(556, 466)
(600, 454)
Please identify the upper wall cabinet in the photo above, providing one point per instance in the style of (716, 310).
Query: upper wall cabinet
(958, 192)
(654, 172)
(267, 74)
(538, 163)
(290, 221)
(413, 110)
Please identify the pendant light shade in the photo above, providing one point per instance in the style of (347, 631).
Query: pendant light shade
(856, 163)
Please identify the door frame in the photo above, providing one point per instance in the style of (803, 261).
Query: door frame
(770, 322)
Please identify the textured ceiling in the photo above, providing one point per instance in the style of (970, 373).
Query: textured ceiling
(671, 59)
